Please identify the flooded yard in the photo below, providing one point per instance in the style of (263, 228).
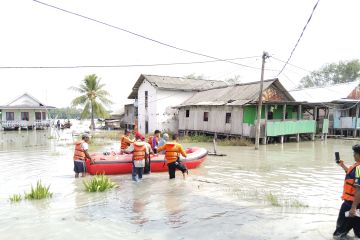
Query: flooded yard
(289, 191)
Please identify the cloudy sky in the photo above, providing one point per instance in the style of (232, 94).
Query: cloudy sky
(36, 35)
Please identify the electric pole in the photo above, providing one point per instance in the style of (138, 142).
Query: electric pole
(257, 129)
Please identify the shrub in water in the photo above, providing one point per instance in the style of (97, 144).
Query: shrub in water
(39, 192)
(98, 183)
(15, 198)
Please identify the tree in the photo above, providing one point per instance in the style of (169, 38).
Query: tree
(233, 80)
(93, 98)
(194, 76)
(333, 73)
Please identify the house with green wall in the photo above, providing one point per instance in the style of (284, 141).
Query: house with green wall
(232, 111)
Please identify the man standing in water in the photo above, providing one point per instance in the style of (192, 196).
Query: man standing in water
(351, 197)
(80, 154)
(172, 156)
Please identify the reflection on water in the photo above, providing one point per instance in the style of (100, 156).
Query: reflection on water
(223, 199)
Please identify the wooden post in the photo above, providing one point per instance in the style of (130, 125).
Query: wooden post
(356, 119)
(315, 118)
(298, 118)
(257, 129)
(264, 140)
(283, 119)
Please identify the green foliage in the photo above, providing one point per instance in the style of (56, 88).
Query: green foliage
(272, 199)
(15, 198)
(93, 98)
(196, 138)
(65, 113)
(235, 142)
(98, 183)
(333, 73)
(194, 76)
(108, 135)
(39, 192)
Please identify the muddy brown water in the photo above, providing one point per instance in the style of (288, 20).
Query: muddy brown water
(289, 191)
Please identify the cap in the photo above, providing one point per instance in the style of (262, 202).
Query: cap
(139, 136)
(356, 148)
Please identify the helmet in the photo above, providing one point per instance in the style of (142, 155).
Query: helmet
(356, 148)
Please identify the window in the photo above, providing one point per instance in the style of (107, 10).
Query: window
(10, 116)
(206, 116)
(228, 118)
(25, 116)
(127, 112)
(44, 117)
(270, 116)
(187, 114)
(146, 99)
(37, 115)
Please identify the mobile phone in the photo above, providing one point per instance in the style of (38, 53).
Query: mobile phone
(337, 157)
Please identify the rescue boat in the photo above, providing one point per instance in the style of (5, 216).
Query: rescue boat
(116, 163)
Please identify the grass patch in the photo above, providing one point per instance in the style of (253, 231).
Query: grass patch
(294, 203)
(98, 183)
(196, 138)
(272, 199)
(15, 198)
(235, 142)
(39, 192)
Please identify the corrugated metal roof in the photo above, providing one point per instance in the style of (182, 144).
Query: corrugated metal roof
(175, 83)
(324, 94)
(239, 94)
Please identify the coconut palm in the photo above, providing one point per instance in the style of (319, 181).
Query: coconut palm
(93, 98)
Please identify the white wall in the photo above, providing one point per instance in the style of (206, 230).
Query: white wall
(149, 113)
(17, 114)
(166, 116)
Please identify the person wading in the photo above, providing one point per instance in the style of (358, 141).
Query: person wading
(351, 197)
(140, 137)
(80, 154)
(125, 142)
(172, 156)
(139, 156)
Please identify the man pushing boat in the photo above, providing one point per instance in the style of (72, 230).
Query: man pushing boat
(172, 156)
(80, 154)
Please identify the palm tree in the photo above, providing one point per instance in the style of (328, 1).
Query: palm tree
(93, 98)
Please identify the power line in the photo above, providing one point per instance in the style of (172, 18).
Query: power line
(293, 65)
(302, 33)
(125, 65)
(140, 35)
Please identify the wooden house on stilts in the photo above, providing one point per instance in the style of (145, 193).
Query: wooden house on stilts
(232, 111)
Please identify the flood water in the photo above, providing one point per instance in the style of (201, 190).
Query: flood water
(226, 198)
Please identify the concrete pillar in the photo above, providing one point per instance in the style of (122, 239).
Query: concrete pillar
(298, 137)
(356, 118)
(283, 118)
(281, 139)
(264, 140)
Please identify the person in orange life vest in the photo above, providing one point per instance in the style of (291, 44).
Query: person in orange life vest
(80, 154)
(155, 140)
(172, 156)
(351, 197)
(140, 137)
(139, 156)
(125, 142)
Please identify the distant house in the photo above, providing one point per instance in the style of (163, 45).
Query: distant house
(24, 112)
(130, 116)
(115, 121)
(343, 101)
(232, 111)
(156, 95)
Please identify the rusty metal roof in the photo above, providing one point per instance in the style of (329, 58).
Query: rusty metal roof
(235, 95)
(175, 83)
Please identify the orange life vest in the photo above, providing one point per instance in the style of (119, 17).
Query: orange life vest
(349, 189)
(124, 145)
(79, 153)
(172, 152)
(139, 151)
(150, 141)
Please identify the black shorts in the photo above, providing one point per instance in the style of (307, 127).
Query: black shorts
(79, 166)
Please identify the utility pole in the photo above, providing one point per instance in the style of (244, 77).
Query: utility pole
(257, 129)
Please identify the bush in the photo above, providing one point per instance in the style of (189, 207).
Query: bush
(15, 198)
(98, 183)
(39, 192)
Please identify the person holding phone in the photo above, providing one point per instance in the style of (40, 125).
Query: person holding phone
(350, 196)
